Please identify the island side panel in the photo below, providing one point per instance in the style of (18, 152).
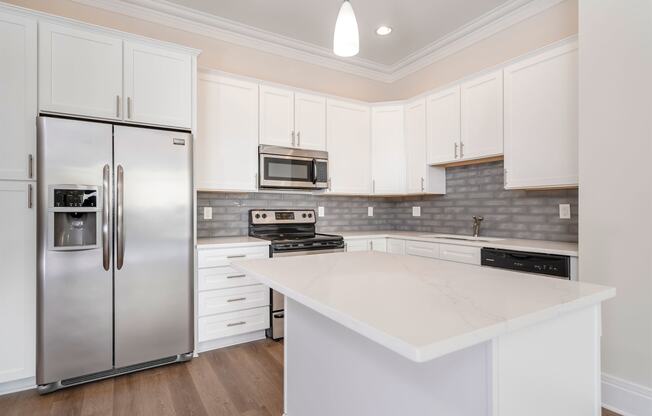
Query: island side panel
(551, 368)
(331, 370)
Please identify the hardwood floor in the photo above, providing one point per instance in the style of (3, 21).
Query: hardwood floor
(245, 380)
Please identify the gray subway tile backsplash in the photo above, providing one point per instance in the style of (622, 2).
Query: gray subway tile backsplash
(471, 190)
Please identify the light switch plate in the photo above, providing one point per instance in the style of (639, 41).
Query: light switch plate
(564, 211)
(208, 213)
(320, 211)
(416, 211)
(370, 211)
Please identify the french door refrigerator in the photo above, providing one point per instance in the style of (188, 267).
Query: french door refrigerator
(115, 286)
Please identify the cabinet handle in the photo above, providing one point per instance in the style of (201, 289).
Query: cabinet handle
(505, 178)
(299, 139)
(30, 166)
(117, 106)
(237, 323)
(129, 108)
(235, 276)
(422, 185)
(293, 135)
(329, 184)
(461, 150)
(373, 186)
(236, 256)
(455, 150)
(371, 245)
(30, 202)
(236, 300)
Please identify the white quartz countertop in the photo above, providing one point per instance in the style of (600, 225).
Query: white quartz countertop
(219, 242)
(421, 308)
(537, 246)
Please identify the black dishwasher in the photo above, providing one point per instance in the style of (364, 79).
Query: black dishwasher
(548, 264)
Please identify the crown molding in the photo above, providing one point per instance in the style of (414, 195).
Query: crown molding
(183, 18)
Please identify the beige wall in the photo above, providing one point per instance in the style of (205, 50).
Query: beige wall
(554, 24)
(615, 151)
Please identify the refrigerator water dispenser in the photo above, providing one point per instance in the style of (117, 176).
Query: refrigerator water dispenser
(73, 217)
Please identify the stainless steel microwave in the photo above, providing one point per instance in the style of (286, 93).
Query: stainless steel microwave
(291, 168)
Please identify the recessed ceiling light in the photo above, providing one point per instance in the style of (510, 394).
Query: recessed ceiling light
(383, 30)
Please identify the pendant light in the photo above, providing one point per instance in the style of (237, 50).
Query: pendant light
(346, 41)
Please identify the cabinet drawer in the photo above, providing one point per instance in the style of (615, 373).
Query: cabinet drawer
(224, 256)
(222, 278)
(357, 245)
(422, 249)
(233, 299)
(460, 254)
(233, 323)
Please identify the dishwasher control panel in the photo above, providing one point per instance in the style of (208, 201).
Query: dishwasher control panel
(548, 264)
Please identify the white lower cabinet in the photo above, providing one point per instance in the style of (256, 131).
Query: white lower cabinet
(460, 254)
(395, 246)
(366, 244)
(17, 280)
(378, 244)
(422, 249)
(232, 306)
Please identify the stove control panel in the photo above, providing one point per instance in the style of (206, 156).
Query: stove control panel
(268, 216)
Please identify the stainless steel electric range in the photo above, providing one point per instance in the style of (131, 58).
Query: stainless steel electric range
(292, 233)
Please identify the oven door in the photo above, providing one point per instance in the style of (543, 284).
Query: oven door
(284, 171)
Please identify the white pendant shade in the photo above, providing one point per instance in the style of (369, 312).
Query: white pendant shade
(346, 41)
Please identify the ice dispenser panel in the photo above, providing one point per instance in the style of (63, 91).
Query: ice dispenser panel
(74, 217)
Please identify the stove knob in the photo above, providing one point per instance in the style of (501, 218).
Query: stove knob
(264, 216)
(309, 215)
(303, 215)
(257, 215)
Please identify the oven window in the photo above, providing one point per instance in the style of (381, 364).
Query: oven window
(277, 169)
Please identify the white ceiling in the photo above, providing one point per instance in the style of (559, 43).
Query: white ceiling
(416, 23)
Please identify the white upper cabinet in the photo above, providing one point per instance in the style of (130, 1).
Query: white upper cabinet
(157, 85)
(541, 120)
(443, 125)
(277, 116)
(349, 149)
(80, 72)
(415, 146)
(310, 121)
(482, 117)
(17, 281)
(226, 156)
(387, 150)
(18, 105)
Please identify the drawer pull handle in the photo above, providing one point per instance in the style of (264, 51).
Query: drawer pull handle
(236, 276)
(237, 256)
(236, 299)
(237, 323)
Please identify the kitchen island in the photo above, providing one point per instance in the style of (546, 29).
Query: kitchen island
(372, 333)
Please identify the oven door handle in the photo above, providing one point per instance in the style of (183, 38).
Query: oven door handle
(314, 171)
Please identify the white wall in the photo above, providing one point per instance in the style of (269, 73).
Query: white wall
(615, 224)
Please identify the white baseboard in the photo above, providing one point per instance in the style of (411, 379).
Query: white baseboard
(17, 385)
(229, 341)
(624, 397)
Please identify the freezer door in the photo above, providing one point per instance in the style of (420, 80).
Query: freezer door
(153, 224)
(75, 290)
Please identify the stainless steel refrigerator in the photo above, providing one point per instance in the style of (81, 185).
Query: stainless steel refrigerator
(115, 286)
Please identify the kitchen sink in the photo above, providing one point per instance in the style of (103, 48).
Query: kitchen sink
(461, 237)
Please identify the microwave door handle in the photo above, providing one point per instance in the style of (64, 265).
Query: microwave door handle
(314, 171)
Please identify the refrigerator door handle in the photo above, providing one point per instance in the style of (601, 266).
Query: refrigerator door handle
(119, 218)
(106, 209)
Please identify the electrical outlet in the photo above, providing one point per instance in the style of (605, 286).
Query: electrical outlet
(416, 211)
(320, 211)
(370, 211)
(208, 213)
(564, 211)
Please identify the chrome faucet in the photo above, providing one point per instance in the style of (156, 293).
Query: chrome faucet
(476, 225)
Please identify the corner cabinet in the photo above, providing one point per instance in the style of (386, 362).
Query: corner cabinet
(17, 280)
(18, 105)
(226, 154)
(81, 73)
(349, 141)
(541, 120)
(387, 150)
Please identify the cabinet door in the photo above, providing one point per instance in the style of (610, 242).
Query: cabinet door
(415, 146)
(276, 116)
(387, 150)
(348, 147)
(541, 120)
(310, 121)
(482, 117)
(17, 281)
(358, 245)
(80, 72)
(18, 97)
(443, 126)
(395, 246)
(158, 86)
(378, 244)
(226, 155)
